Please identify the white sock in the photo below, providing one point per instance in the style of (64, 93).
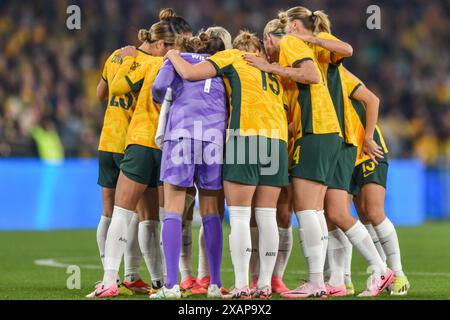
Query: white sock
(269, 240)
(311, 242)
(240, 243)
(161, 249)
(348, 252)
(324, 228)
(254, 258)
(186, 251)
(149, 244)
(376, 241)
(336, 258)
(284, 251)
(360, 238)
(102, 230)
(116, 242)
(132, 256)
(203, 267)
(389, 240)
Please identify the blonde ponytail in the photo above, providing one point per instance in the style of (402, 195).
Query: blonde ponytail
(315, 22)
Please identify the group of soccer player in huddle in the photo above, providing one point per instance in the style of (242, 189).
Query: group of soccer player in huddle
(272, 126)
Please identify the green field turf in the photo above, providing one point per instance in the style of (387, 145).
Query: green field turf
(425, 251)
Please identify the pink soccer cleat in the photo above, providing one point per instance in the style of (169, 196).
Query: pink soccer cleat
(278, 285)
(101, 292)
(244, 293)
(336, 291)
(264, 293)
(378, 283)
(306, 290)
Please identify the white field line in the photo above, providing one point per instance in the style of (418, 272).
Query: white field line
(55, 263)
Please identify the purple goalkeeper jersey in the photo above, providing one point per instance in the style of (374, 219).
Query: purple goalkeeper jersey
(199, 110)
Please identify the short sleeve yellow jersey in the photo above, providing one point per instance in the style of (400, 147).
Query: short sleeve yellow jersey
(143, 126)
(256, 97)
(358, 115)
(122, 98)
(332, 70)
(318, 115)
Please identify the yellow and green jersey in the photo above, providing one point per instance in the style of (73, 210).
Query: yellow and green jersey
(144, 123)
(332, 69)
(256, 97)
(293, 112)
(318, 115)
(358, 115)
(122, 103)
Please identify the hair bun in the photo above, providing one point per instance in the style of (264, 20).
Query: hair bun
(144, 35)
(283, 17)
(166, 14)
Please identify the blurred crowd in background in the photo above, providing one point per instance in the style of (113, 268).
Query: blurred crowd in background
(48, 74)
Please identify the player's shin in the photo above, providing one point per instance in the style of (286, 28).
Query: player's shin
(311, 242)
(268, 244)
(172, 242)
(376, 241)
(102, 231)
(132, 255)
(149, 244)
(116, 241)
(240, 244)
(389, 240)
(360, 238)
(212, 225)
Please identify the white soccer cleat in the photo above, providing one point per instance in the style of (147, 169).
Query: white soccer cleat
(164, 293)
(214, 292)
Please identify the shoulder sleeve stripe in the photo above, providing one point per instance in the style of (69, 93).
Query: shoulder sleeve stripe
(219, 71)
(354, 90)
(298, 62)
(104, 79)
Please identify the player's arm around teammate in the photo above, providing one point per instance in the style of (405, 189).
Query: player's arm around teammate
(195, 103)
(251, 92)
(317, 144)
(141, 163)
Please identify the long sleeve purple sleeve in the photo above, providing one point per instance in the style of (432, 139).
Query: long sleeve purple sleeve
(164, 80)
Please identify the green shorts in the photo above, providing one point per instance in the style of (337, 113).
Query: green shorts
(342, 177)
(256, 161)
(315, 157)
(367, 172)
(142, 165)
(108, 168)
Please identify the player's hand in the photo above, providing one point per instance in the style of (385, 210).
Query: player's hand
(171, 53)
(257, 62)
(128, 51)
(372, 149)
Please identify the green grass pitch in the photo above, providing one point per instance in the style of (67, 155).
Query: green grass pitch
(425, 252)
